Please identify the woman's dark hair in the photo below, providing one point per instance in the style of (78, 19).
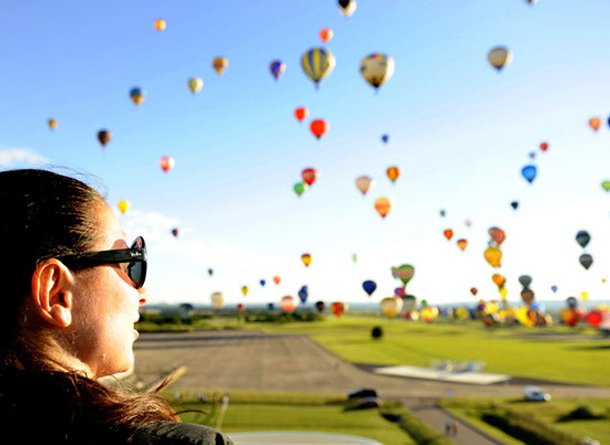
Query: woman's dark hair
(44, 215)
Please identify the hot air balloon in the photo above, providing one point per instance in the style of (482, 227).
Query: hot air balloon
(532, 155)
(606, 185)
(309, 175)
(399, 292)
(318, 63)
(320, 306)
(240, 307)
(442, 212)
(369, 287)
(299, 188)
(497, 235)
(409, 302)
(391, 306)
(544, 146)
(393, 173)
(52, 123)
(338, 308)
(525, 280)
(493, 256)
(584, 295)
(277, 68)
(104, 136)
(347, 7)
(301, 113)
(364, 183)
(195, 84)
(594, 318)
(448, 234)
(287, 304)
(160, 25)
(583, 238)
(586, 260)
(306, 259)
(514, 204)
(385, 138)
(474, 291)
(166, 163)
(529, 172)
(123, 206)
(429, 313)
(383, 206)
(244, 290)
(377, 69)
(303, 294)
(355, 257)
(554, 289)
(595, 123)
(326, 35)
(137, 95)
(175, 232)
(220, 64)
(210, 272)
(217, 300)
(318, 127)
(527, 295)
(462, 244)
(262, 282)
(277, 279)
(499, 57)
(498, 279)
(404, 273)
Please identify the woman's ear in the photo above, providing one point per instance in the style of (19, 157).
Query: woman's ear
(52, 293)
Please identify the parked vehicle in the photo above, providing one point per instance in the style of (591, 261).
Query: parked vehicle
(536, 394)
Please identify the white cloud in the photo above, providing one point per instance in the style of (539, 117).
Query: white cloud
(12, 156)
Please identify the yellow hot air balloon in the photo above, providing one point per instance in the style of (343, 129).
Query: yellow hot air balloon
(383, 206)
(499, 57)
(393, 173)
(160, 25)
(52, 124)
(123, 206)
(306, 259)
(195, 84)
(391, 306)
(364, 183)
(244, 290)
(218, 300)
(493, 256)
(318, 63)
(429, 313)
(377, 69)
(220, 64)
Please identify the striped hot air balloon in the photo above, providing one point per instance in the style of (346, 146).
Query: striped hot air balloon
(318, 63)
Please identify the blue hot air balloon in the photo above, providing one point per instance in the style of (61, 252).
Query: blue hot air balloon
(583, 238)
(554, 288)
(277, 68)
(529, 172)
(385, 138)
(262, 282)
(369, 287)
(303, 294)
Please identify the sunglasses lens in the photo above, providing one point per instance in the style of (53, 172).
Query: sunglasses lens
(137, 269)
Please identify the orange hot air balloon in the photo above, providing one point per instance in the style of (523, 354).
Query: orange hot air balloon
(301, 113)
(309, 175)
(393, 173)
(326, 34)
(220, 64)
(499, 280)
(288, 304)
(160, 25)
(277, 279)
(493, 256)
(383, 206)
(595, 123)
(167, 163)
(338, 308)
(318, 127)
(52, 123)
(448, 234)
(306, 259)
(497, 235)
(474, 291)
(462, 244)
(364, 183)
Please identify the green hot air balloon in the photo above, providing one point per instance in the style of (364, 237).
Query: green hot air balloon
(606, 185)
(299, 188)
(404, 273)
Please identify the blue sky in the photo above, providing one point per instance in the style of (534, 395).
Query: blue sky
(459, 130)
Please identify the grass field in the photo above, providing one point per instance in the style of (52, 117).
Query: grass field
(553, 354)
(298, 412)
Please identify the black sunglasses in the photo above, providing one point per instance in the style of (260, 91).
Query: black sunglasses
(135, 256)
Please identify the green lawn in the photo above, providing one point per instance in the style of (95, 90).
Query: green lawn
(299, 412)
(542, 353)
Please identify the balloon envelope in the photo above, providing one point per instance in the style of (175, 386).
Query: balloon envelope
(166, 163)
(309, 175)
(244, 290)
(318, 63)
(299, 188)
(583, 238)
(377, 69)
(606, 185)
(404, 273)
(497, 235)
(301, 113)
(498, 279)
(493, 256)
(287, 304)
(499, 57)
(104, 137)
(195, 84)
(137, 95)
(347, 7)
(529, 173)
(318, 127)
(586, 260)
(306, 259)
(277, 68)
(369, 287)
(391, 306)
(326, 35)
(364, 183)
(123, 206)
(462, 244)
(448, 234)
(393, 173)
(220, 64)
(160, 25)
(218, 300)
(52, 123)
(303, 294)
(383, 206)
(525, 280)
(595, 123)
(277, 279)
(338, 308)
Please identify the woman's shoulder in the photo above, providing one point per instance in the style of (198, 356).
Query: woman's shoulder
(175, 433)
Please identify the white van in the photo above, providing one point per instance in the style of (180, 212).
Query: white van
(535, 393)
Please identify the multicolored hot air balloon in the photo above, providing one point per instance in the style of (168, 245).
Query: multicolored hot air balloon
(326, 35)
(318, 127)
(497, 235)
(160, 25)
(364, 183)
(277, 68)
(137, 95)
(301, 113)
(583, 238)
(404, 273)
(347, 7)
(166, 163)
(220, 64)
(104, 136)
(393, 173)
(462, 244)
(391, 306)
(377, 69)
(369, 287)
(383, 206)
(195, 84)
(309, 175)
(287, 304)
(499, 57)
(123, 206)
(306, 259)
(498, 279)
(318, 63)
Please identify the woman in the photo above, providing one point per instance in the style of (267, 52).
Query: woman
(71, 290)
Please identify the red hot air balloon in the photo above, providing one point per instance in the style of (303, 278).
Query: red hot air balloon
(301, 113)
(309, 175)
(544, 146)
(448, 234)
(318, 127)
(326, 34)
(167, 163)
